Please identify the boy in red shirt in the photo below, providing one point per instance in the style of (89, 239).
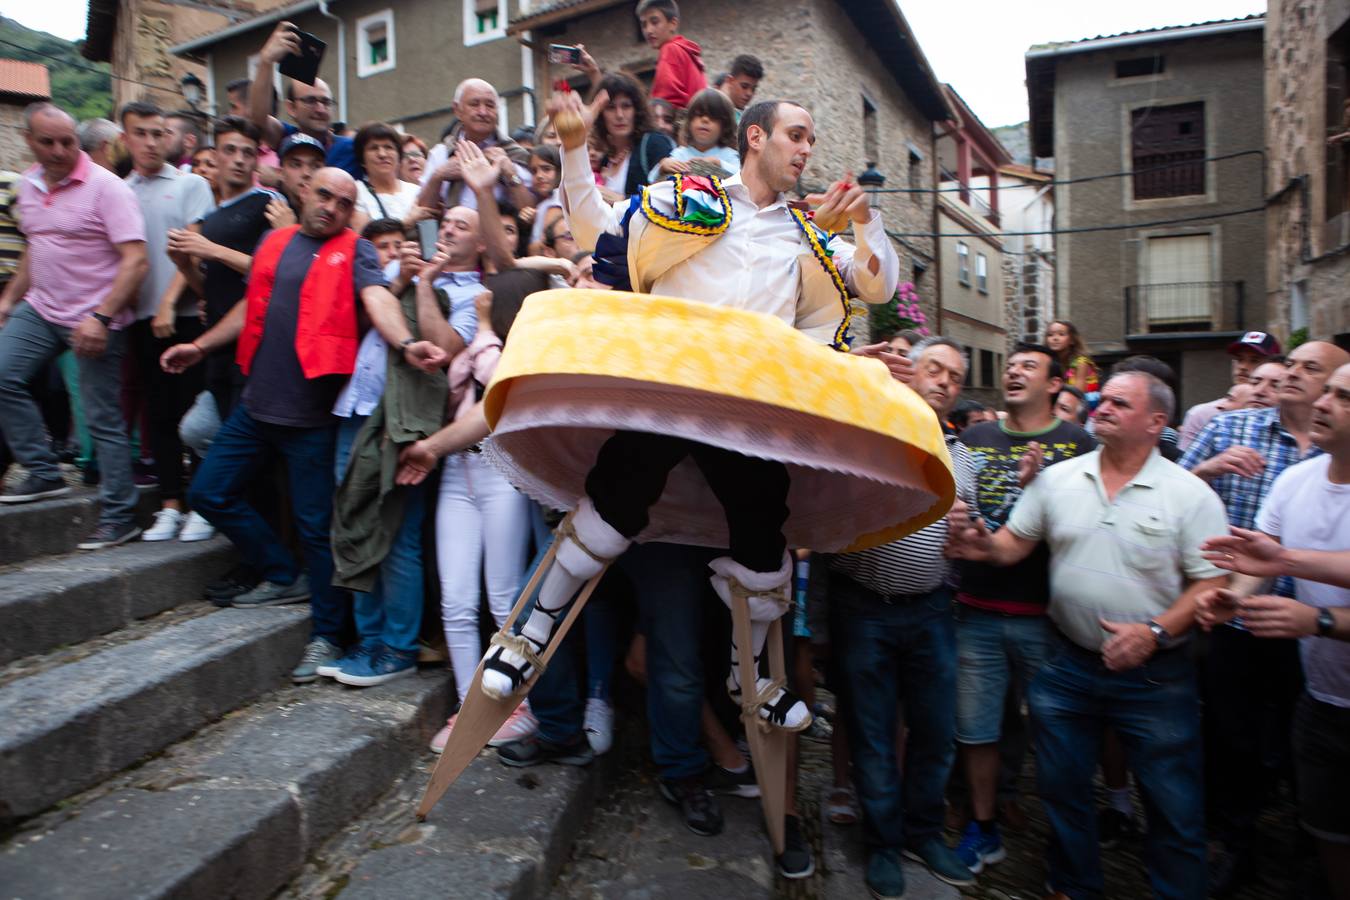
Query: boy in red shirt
(679, 69)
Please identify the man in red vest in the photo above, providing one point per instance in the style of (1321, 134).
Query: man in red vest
(297, 328)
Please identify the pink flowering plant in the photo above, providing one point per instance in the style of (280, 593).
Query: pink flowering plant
(902, 313)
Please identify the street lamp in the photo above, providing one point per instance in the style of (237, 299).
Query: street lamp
(872, 180)
(192, 88)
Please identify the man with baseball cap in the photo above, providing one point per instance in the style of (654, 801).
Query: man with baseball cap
(1252, 685)
(1248, 352)
(301, 156)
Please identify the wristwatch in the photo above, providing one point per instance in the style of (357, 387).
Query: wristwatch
(406, 343)
(1165, 640)
(106, 321)
(1326, 622)
(511, 180)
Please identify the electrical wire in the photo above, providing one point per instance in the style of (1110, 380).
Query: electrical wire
(1125, 226)
(75, 65)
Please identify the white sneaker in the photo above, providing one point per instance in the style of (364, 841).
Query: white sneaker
(599, 725)
(195, 528)
(166, 525)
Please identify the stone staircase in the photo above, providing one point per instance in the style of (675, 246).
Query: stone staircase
(151, 745)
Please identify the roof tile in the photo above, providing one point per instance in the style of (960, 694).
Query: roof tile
(24, 79)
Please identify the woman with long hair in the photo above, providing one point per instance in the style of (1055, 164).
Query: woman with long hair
(1080, 371)
(630, 146)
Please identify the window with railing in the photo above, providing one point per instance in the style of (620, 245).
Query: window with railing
(1167, 150)
(963, 262)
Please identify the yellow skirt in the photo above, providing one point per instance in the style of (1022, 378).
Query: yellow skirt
(866, 456)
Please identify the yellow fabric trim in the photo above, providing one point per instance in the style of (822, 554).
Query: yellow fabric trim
(724, 352)
(839, 341)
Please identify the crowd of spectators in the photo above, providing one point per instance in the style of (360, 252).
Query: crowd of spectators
(241, 314)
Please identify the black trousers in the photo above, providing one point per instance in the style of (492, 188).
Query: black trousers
(167, 398)
(630, 474)
(1251, 687)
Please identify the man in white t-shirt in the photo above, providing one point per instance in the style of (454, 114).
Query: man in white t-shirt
(1308, 513)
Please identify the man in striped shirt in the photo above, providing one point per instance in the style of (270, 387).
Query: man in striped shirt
(891, 622)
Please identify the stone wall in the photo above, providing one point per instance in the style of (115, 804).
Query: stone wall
(1301, 256)
(14, 155)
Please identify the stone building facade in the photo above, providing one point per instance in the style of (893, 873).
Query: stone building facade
(1168, 257)
(1307, 71)
(136, 38)
(855, 65)
(395, 61)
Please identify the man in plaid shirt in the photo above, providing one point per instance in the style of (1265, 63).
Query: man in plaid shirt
(1252, 683)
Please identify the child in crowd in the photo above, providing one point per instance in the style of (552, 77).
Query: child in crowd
(546, 167)
(679, 68)
(387, 236)
(707, 141)
(663, 116)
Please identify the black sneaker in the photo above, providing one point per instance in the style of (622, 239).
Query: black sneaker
(108, 534)
(1114, 826)
(796, 860)
(238, 580)
(533, 750)
(701, 813)
(34, 488)
(724, 781)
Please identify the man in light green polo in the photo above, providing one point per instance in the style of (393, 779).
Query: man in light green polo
(1124, 527)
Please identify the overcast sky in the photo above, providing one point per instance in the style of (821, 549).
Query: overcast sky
(976, 45)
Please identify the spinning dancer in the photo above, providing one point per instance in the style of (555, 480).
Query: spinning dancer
(736, 243)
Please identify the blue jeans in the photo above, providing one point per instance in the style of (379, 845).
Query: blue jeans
(27, 343)
(994, 651)
(890, 654)
(1155, 709)
(392, 613)
(241, 449)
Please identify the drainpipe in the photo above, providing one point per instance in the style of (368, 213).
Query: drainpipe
(342, 59)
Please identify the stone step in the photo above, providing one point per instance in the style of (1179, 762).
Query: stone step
(68, 728)
(498, 832)
(235, 810)
(49, 527)
(47, 603)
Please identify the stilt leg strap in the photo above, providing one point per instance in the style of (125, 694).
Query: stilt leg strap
(751, 705)
(567, 530)
(518, 644)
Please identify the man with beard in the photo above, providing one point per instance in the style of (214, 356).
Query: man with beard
(297, 331)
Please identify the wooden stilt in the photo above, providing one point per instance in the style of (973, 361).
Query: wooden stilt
(480, 715)
(768, 745)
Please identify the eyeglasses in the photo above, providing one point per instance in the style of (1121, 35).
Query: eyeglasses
(317, 101)
(414, 154)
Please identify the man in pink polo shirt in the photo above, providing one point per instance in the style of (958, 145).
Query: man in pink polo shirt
(84, 265)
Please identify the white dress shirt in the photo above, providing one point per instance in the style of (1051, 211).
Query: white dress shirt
(754, 265)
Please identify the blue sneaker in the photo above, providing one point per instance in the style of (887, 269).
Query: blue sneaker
(384, 665)
(978, 849)
(359, 652)
(885, 879)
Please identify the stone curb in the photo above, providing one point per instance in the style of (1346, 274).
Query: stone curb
(66, 729)
(49, 527)
(235, 811)
(49, 603)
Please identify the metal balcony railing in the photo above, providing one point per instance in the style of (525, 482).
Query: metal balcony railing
(1185, 306)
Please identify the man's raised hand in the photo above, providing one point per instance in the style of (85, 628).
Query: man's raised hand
(902, 370)
(479, 172)
(1245, 551)
(283, 42)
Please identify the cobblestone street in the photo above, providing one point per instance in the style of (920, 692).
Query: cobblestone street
(635, 846)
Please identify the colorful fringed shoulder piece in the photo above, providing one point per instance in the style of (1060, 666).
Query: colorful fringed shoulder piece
(701, 207)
